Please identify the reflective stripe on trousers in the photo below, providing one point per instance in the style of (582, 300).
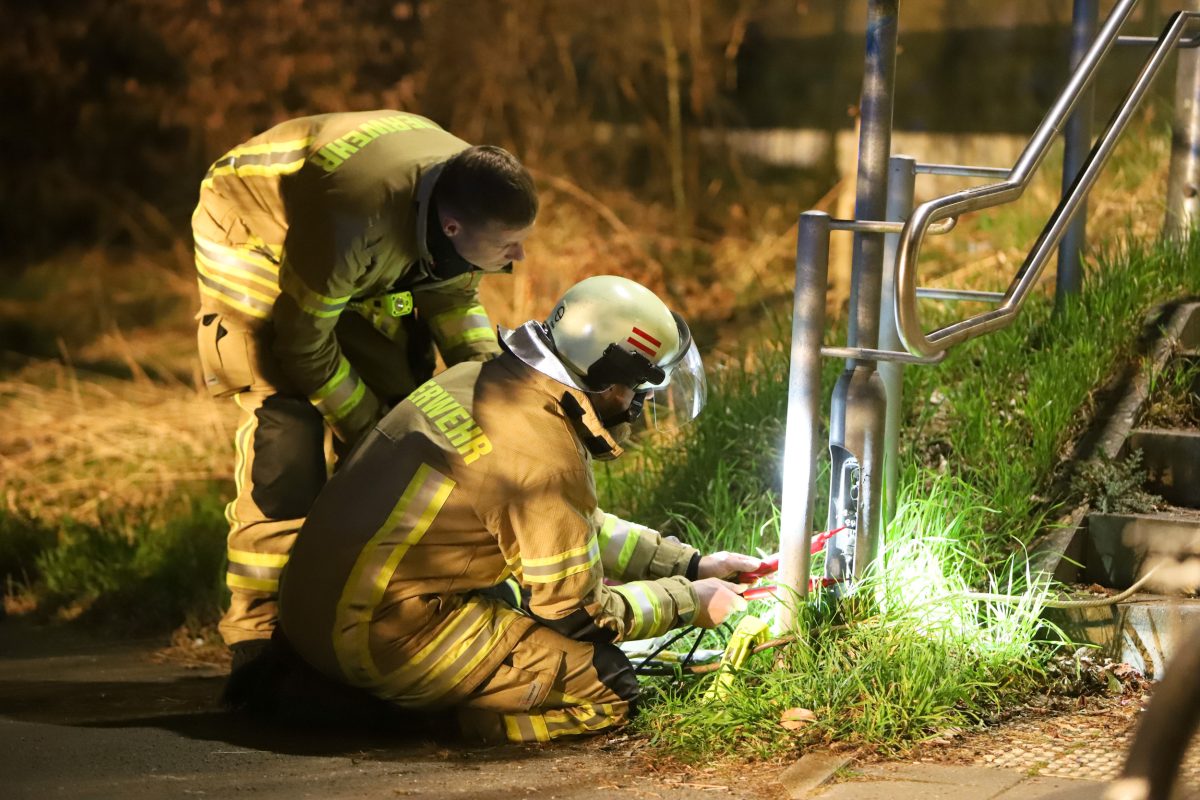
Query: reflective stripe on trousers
(280, 468)
(550, 687)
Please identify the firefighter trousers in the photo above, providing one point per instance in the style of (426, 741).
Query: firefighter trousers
(548, 687)
(283, 450)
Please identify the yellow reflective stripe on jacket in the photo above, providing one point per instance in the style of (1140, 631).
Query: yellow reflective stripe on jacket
(310, 302)
(246, 259)
(225, 279)
(235, 272)
(462, 326)
(646, 608)
(239, 278)
(258, 160)
(249, 558)
(618, 541)
(240, 302)
(404, 527)
(555, 568)
(340, 394)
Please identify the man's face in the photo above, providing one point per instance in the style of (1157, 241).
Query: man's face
(489, 246)
(613, 401)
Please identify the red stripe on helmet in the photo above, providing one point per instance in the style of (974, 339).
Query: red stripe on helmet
(640, 346)
(647, 337)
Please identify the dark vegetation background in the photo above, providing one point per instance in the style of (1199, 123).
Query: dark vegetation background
(112, 111)
(110, 453)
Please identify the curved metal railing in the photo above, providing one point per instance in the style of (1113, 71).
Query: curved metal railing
(925, 217)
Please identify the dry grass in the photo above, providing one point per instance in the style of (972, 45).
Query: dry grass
(72, 443)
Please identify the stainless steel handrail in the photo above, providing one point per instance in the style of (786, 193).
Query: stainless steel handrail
(962, 171)
(872, 354)
(1184, 44)
(934, 293)
(927, 214)
(885, 226)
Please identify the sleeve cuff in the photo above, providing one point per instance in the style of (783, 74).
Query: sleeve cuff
(683, 595)
(671, 558)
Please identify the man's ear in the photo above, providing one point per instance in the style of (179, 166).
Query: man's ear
(450, 225)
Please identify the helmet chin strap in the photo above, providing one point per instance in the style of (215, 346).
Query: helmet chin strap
(629, 415)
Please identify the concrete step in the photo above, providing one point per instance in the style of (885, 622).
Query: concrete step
(1119, 548)
(1146, 631)
(1171, 459)
(1113, 550)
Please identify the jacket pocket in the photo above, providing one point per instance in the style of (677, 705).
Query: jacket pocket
(226, 356)
(523, 681)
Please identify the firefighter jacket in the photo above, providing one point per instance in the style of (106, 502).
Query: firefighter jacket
(323, 214)
(482, 473)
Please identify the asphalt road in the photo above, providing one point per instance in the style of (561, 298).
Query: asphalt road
(83, 718)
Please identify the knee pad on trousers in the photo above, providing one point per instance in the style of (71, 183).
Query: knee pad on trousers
(614, 670)
(289, 457)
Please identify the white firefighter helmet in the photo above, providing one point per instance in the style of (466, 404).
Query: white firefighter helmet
(608, 330)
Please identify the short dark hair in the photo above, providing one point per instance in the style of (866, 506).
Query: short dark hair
(486, 184)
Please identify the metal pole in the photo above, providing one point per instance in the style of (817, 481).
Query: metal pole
(874, 148)
(902, 179)
(1183, 182)
(856, 417)
(804, 399)
(1077, 141)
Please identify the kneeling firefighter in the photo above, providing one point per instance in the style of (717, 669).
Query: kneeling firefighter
(458, 559)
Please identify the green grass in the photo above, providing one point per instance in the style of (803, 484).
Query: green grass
(1014, 400)
(978, 466)
(137, 571)
(906, 663)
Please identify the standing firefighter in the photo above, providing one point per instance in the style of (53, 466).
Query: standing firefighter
(404, 581)
(333, 251)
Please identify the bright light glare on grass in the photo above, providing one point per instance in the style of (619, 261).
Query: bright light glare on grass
(924, 568)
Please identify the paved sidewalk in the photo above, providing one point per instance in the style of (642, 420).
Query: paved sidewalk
(938, 782)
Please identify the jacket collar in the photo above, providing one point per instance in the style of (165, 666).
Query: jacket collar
(431, 270)
(568, 401)
(425, 185)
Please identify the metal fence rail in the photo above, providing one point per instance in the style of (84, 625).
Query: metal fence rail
(883, 336)
(928, 214)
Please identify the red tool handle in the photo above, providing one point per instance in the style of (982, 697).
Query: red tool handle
(761, 592)
(771, 563)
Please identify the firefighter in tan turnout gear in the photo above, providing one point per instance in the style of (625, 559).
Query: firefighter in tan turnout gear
(332, 252)
(481, 479)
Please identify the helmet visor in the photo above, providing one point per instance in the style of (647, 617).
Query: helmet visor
(679, 400)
